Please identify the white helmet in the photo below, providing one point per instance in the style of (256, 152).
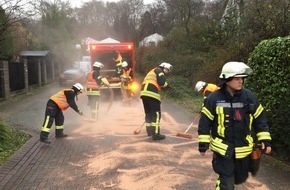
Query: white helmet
(124, 64)
(167, 66)
(200, 85)
(98, 65)
(79, 87)
(235, 69)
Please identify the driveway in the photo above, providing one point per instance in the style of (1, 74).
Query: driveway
(107, 155)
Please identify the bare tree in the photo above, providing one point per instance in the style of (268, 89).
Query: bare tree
(12, 12)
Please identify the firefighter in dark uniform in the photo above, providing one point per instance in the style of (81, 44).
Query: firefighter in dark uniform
(229, 117)
(94, 82)
(205, 88)
(150, 95)
(54, 111)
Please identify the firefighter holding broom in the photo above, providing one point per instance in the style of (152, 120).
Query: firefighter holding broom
(152, 84)
(205, 88)
(229, 118)
(54, 111)
(94, 82)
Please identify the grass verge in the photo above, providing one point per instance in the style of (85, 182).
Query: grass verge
(10, 141)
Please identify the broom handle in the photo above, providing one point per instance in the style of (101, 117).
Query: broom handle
(188, 127)
(192, 122)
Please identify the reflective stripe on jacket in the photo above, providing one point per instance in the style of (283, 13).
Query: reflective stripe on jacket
(152, 83)
(93, 85)
(60, 99)
(91, 82)
(227, 123)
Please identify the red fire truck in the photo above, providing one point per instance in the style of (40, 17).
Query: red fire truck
(107, 53)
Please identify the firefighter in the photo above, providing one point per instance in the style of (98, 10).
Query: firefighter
(152, 84)
(118, 61)
(205, 88)
(228, 120)
(126, 79)
(94, 82)
(54, 111)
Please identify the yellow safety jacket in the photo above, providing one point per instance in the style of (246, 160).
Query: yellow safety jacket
(227, 123)
(60, 99)
(209, 89)
(119, 63)
(152, 83)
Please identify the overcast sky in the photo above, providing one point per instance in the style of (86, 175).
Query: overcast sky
(78, 3)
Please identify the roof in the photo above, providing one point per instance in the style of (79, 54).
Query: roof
(89, 40)
(34, 53)
(109, 40)
(155, 38)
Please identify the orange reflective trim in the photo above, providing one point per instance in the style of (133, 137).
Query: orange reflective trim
(91, 82)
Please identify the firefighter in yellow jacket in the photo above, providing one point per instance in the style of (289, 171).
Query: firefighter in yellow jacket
(205, 88)
(229, 118)
(118, 61)
(150, 95)
(54, 111)
(126, 79)
(94, 82)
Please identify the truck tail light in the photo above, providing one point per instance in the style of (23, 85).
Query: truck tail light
(93, 47)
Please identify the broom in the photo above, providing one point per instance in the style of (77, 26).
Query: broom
(137, 131)
(185, 135)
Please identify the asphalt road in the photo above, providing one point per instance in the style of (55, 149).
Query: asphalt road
(107, 155)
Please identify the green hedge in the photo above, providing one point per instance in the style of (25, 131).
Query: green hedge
(270, 62)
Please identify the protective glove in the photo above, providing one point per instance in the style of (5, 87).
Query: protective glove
(168, 88)
(266, 145)
(203, 147)
(81, 113)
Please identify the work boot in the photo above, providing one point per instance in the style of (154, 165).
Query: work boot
(158, 137)
(44, 137)
(150, 130)
(59, 133)
(46, 141)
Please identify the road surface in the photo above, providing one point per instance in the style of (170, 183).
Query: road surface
(107, 155)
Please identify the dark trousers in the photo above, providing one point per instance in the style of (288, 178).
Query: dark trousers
(52, 113)
(152, 108)
(231, 171)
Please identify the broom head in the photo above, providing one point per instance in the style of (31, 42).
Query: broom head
(136, 132)
(184, 135)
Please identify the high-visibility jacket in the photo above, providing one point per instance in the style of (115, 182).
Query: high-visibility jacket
(152, 83)
(126, 73)
(65, 99)
(119, 62)
(126, 78)
(227, 123)
(93, 83)
(209, 89)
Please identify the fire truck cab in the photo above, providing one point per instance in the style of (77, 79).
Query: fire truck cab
(109, 54)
